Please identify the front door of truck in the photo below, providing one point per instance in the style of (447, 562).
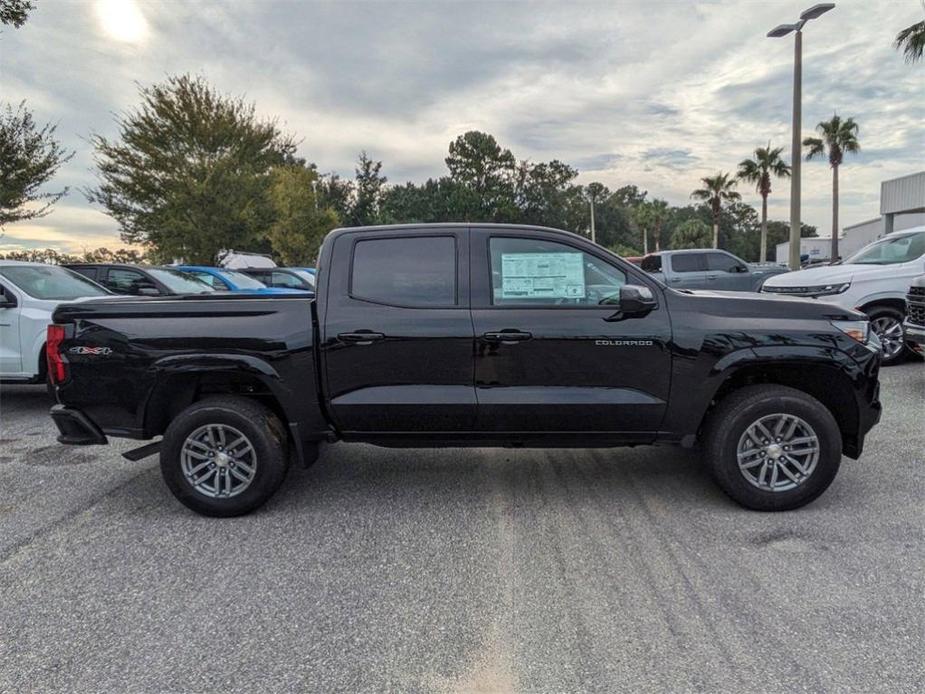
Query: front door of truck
(727, 273)
(397, 333)
(553, 353)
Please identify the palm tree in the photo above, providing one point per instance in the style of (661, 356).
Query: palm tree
(652, 216)
(911, 40)
(758, 170)
(717, 190)
(838, 136)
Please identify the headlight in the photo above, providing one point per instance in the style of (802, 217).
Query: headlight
(815, 290)
(855, 329)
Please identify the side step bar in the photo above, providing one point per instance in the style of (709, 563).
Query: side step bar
(137, 454)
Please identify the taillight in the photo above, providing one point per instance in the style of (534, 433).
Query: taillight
(57, 368)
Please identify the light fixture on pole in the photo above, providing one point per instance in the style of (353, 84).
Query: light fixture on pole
(778, 32)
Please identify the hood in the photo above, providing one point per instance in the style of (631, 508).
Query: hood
(833, 274)
(766, 269)
(754, 305)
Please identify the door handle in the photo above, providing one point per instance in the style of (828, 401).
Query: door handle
(507, 337)
(361, 337)
(712, 277)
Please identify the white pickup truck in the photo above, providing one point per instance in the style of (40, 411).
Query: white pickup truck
(29, 293)
(874, 280)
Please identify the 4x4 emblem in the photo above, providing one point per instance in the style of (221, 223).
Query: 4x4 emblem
(95, 351)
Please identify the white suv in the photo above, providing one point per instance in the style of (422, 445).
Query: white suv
(29, 293)
(873, 280)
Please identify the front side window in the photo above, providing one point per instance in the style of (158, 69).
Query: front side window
(887, 251)
(51, 282)
(532, 272)
(415, 271)
(720, 262)
(688, 262)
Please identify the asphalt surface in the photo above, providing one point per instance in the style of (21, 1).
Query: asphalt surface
(461, 570)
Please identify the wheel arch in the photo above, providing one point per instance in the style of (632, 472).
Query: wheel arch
(893, 302)
(825, 382)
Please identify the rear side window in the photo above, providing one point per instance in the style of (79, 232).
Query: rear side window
(413, 271)
(688, 262)
(652, 263)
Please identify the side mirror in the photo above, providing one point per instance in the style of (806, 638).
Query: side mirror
(148, 291)
(7, 301)
(741, 268)
(635, 300)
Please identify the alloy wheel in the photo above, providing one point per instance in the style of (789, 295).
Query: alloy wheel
(890, 332)
(218, 461)
(778, 452)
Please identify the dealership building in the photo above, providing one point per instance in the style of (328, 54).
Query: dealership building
(902, 206)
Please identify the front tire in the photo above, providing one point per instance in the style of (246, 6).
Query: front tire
(224, 456)
(887, 322)
(772, 448)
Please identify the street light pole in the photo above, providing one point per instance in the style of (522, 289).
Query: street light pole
(795, 152)
(778, 32)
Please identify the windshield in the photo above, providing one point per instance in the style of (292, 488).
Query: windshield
(51, 282)
(890, 250)
(307, 276)
(241, 280)
(180, 282)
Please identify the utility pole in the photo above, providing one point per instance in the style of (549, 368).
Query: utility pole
(593, 235)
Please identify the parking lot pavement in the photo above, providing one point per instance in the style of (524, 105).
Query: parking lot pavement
(461, 570)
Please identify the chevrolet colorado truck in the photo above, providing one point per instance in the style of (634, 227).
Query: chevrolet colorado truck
(468, 335)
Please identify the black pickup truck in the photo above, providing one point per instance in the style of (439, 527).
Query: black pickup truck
(468, 335)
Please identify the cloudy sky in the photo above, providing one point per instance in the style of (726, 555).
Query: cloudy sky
(652, 93)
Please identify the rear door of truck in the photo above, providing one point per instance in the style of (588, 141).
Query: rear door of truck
(396, 331)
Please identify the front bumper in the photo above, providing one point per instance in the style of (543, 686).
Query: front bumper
(914, 336)
(76, 428)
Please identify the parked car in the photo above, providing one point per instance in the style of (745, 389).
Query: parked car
(224, 280)
(914, 325)
(873, 280)
(712, 269)
(283, 277)
(446, 335)
(142, 280)
(29, 292)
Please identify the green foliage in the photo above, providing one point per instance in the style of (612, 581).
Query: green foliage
(838, 136)
(54, 257)
(190, 171)
(370, 184)
(693, 233)
(15, 12)
(299, 225)
(911, 41)
(651, 217)
(759, 169)
(29, 157)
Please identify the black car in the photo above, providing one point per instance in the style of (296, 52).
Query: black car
(283, 277)
(142, 280)
(469, 335)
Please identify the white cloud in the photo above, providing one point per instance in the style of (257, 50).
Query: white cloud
(652, 93)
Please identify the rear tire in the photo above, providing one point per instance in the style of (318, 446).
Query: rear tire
(887, 322)
(787, 468)
(224, 456)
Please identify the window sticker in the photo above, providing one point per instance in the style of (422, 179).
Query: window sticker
(542, 275)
